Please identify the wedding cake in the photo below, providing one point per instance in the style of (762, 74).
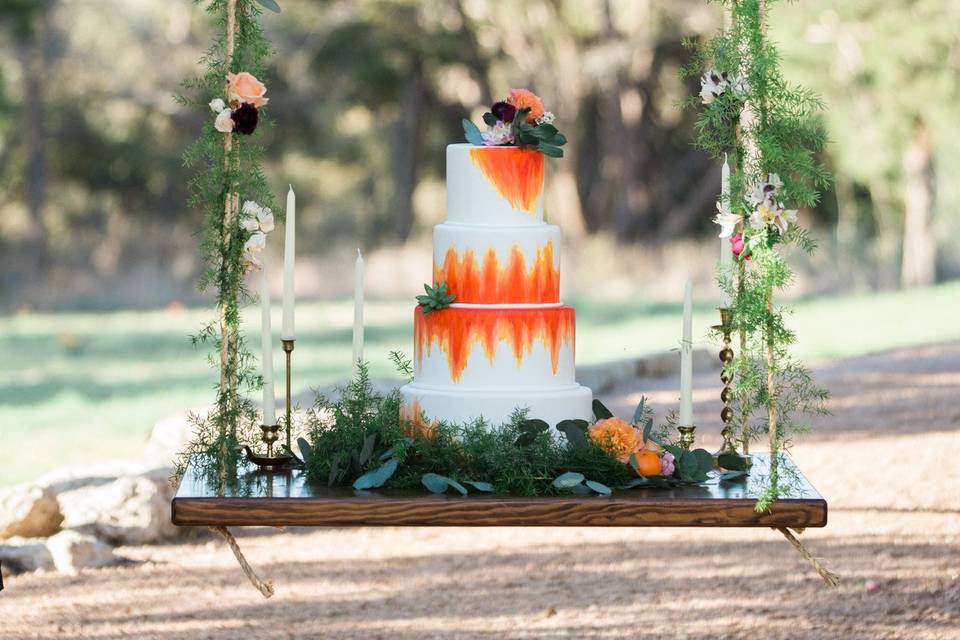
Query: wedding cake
(506, 341)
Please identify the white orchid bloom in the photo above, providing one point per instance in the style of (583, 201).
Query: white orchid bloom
(265, 220)
(250, 223)
(727, 221)
(498, 134)
(252, 261)
(784, 218)
(546, 118)
(712, 86)
(256, 243)
(223, 123)
(757, 219)
(217, 105)
(250, 208)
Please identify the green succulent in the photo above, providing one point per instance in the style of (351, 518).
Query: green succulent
(437, 297)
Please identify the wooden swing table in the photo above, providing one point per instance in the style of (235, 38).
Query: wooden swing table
(283, 499)
(286, 499)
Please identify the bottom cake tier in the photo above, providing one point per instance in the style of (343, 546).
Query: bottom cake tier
(459, 406)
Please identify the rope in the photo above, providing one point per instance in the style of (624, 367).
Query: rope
(828, 576)
(266, 588)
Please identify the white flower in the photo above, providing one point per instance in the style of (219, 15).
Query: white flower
(499, 134)
(757, 220)
(727, 221)
(223, 123)
(256, 243)
(265, 219)
(250, 223)
(712, 86)
(252, 261)
(217, 105)
(767, 191)
(784, 218)
(546, 118)
(250, 208)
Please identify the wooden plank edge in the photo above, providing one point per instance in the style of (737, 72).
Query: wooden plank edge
(481, 512)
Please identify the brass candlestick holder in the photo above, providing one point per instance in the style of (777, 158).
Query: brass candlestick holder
(686, 435)
(288, 425)
(729, 447)
(269, 434)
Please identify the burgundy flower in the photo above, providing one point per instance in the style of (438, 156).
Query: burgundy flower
(504, 111)
(245, 118)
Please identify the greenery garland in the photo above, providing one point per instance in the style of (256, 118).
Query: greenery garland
(771, 133)
(228, 171)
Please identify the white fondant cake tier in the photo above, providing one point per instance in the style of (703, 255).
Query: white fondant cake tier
(498, 265)
(494, 185)
(458, 406)
(490, 347)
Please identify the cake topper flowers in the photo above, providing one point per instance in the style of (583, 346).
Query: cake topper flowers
(245, 96)
(521, 120)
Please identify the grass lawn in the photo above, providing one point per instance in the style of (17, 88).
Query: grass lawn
(78, 387)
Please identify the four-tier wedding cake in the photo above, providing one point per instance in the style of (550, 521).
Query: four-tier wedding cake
(506, 342)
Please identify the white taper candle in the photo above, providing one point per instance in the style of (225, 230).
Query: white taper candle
(726, 254)
(266, 345)
(289, 256)
(358, 312)
(685, 418)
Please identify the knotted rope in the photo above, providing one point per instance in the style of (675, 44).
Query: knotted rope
(266, 588)
(828, 576)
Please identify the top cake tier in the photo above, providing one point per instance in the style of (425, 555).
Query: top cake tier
(494, 185)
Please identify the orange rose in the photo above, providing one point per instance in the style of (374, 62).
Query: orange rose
(244, 87)
(617, 437)
(521, 98)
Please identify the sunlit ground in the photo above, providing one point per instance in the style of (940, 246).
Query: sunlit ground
(76, 387)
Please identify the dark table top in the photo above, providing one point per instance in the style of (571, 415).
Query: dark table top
(287, 499)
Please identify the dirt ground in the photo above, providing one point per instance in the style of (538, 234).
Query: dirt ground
(887, 462)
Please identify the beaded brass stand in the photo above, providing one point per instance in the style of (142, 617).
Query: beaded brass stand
(288, 351)
(729, 448)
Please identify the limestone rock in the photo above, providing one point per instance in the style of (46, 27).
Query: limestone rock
(125, 510)
(22, 555)
(29, 511)
(72, 551)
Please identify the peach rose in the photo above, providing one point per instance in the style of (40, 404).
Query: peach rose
(617, 437)
(244, 87)
(521, 98)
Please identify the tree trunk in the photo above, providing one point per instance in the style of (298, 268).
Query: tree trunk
(33, 60)
(406, 151)
(918, 267)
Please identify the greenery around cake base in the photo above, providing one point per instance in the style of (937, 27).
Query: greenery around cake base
(361, 440)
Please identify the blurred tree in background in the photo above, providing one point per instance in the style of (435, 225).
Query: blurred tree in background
(368, 93)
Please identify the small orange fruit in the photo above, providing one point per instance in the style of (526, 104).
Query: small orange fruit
(647, 463)
(650, 445)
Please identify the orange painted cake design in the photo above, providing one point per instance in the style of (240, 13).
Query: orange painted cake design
(516, 173)
(413, 422)
(455, 331)
(492, 282)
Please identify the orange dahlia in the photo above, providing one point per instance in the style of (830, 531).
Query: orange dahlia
(521, 98)
(617, 437)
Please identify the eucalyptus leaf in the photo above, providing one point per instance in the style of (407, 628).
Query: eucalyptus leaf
(636, 482)
(550, 150)
(529, 431)
(598, 487)
(568, 480)
(687, 466)
(544, 131)
(731, 461)
(581, 489)
(367, 451)
(647, 428)
(638, 412)
(485, 487)
(489, 119)
(305, 449)
(378, 477)
(270, 5)
(439, 484)
(600, 410)
(334, 472)
(729, 476)
(704, 459)
(558, 140)
(472, 133)
(575, 431)
(520, 118)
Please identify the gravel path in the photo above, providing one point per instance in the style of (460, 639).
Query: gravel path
(886, 461)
